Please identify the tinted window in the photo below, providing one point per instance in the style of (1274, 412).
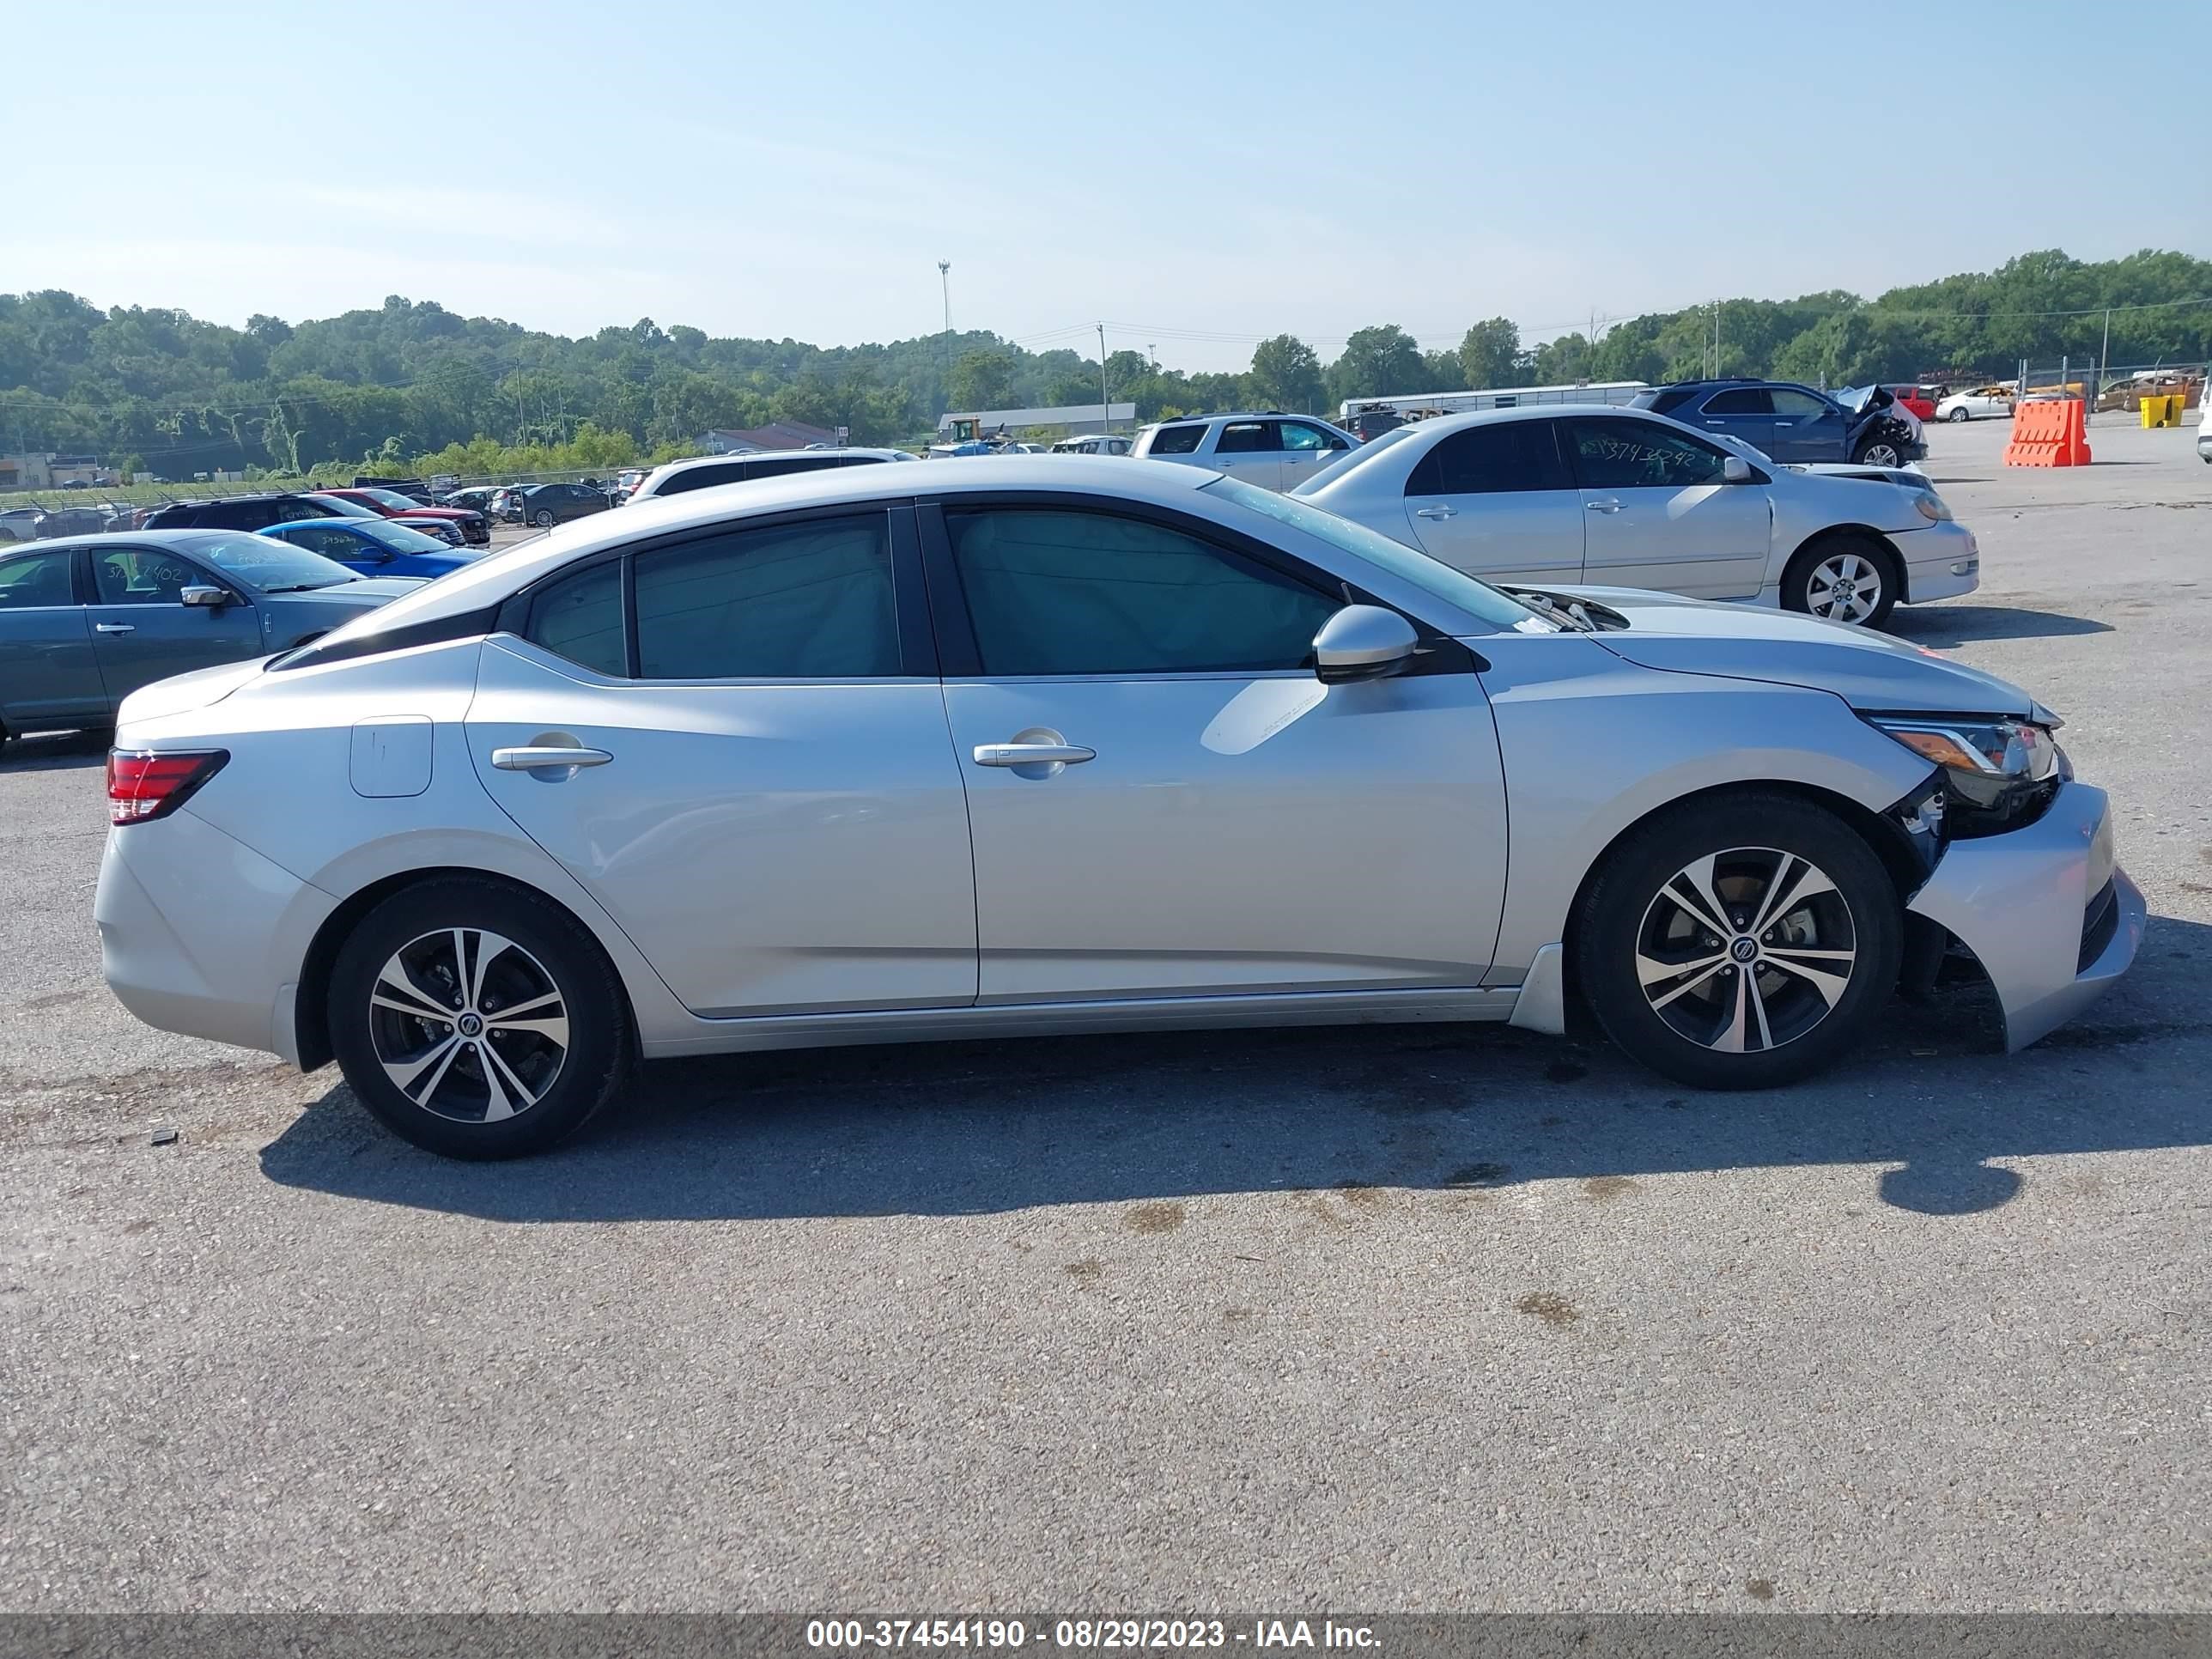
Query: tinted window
(1667, 401)
(698, 477)
(1249, 438)
(581, 617)
(1296, 435)
(778, 467)
(1482, 460)
(804, 601)
(1626, 454)
(1477, 599)
(35, 579)
(239, 515)
(1176, 440)
(1739, 400)
(1052, 593)
(1794, 405)
(142, 575)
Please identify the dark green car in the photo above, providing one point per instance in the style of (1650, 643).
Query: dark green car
(87, 620)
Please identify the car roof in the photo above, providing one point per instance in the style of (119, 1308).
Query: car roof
(492, 578)
(182, 540)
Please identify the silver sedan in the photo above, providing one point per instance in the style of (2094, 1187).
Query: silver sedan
(1065, 745)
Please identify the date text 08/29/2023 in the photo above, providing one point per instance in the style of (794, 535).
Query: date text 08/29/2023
(1008, 1635)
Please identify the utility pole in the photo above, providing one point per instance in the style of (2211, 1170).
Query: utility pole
(1154, 348)
(2104, 366)
(1717, 339)
(944, 340)
(1105, 402)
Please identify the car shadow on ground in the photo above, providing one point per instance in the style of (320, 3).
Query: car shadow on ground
(981, 1128)
(54, 751)
(1941, 625)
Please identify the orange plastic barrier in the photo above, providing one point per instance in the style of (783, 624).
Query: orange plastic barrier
(2050, 434)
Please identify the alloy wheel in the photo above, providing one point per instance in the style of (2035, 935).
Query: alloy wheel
(468, 1025)
(1745, 951)
(1880, 455)
(1844, 587)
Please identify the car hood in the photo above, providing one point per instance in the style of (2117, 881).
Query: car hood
(1868, 669)
(365, 592)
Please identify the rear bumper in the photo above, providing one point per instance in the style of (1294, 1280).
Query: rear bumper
(2023, 902)
(248, 920)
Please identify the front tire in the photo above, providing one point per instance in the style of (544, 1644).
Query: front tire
(1880, 452)
(1741, 941)
(1846, 578)
(477, 1020)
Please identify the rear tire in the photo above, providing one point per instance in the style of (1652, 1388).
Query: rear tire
(544, 519)
(477, 1020)
(1848, 577)
(1958, 415)
(1795, 969)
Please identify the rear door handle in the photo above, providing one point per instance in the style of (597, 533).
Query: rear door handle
(547, 760)
(1603, 506)
(114, 628)
(1438, 512)
(1032, 754)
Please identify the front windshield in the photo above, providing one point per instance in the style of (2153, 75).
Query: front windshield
(1477, 599)
(393, 498)
(269, 566)
(344, 508)
(400, 539)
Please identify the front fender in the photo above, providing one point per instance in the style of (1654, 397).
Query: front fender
(1592, 744)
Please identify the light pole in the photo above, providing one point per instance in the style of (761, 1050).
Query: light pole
(944, 340)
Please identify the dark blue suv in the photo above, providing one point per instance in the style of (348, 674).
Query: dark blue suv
(1791, 422)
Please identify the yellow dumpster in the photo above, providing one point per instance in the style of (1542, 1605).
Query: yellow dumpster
(2164, 409)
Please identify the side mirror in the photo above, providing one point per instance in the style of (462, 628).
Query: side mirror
(1363, 642)
(201, 594)
(1734, 470)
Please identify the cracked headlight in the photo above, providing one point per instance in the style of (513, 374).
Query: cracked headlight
(1998, 772)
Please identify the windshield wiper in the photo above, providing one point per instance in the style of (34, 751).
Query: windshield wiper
(311, 587)
(1570, 617)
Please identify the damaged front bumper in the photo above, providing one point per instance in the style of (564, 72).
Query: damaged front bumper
(2050, 917)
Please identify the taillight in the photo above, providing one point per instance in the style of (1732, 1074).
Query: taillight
(142, 785)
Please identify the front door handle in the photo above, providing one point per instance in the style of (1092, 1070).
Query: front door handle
(547, 759)
(1033, 754)
(1605, 506)
(1437, 512)
(114, 628)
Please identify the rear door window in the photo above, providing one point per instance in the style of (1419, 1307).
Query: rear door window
(30, 581)
(1741, 400)
(801, 601)
(1491, 459)
(1249, 438)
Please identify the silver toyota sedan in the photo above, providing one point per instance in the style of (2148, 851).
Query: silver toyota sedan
(1064, 744)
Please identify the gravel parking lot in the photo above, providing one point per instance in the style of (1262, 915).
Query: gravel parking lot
(1420, 1317)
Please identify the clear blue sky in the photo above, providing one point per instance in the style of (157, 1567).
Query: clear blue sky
(1187, 172)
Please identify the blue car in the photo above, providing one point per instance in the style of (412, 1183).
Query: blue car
(373, 547)
(1794, 422)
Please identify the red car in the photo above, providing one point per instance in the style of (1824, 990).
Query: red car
(476, 529)
(1920, 400)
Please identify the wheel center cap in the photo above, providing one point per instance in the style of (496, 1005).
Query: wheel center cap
(1744, 950)
(472, 1025)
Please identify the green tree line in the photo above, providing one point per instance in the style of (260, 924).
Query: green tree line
(412, 385)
